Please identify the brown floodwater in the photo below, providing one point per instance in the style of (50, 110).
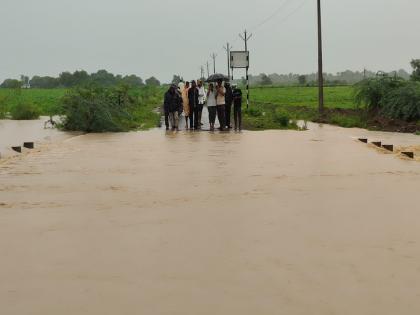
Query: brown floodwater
(273, 222)
(15, 133)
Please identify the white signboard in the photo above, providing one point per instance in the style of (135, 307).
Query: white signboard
(239, 59)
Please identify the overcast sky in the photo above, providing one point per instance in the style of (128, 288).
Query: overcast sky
(164, 37)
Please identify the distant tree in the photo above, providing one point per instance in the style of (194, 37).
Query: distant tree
(66, 79)
(265, 79)
(44, 82)
(11, 84)
(103, 78)
(133, 80)
(152, 81)
(415, 63)
(80, 77)
(302, 79)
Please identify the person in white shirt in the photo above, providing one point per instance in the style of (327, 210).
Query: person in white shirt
(201, 101)
(211, 105)
(220, 104)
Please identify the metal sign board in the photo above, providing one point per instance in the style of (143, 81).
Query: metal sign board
(239, 59)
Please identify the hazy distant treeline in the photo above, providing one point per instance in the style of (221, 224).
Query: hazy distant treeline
(340, 78)
(68, 79)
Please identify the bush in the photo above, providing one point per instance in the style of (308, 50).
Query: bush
(24, 111)
(370, 92)
(3, 106)
(282, 118)
(402, 103)
(95, 109)
(114, 109)
(254, 112)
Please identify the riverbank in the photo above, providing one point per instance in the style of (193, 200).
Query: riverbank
(342, 117)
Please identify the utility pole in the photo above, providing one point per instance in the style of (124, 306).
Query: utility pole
(227, 48)
(208, 69)
(213, 56)
(202, 73)
(246, 38)
(320, 62)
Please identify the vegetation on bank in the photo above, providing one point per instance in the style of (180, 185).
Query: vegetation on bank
(267, 117)
(113, 109)
(384, 102)
(90, 108)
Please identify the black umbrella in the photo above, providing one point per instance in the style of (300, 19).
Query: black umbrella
(217, 77)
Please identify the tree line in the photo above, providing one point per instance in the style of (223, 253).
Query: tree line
(80, 77)
(347, 77)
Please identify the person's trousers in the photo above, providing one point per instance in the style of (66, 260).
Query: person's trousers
(167, 119)
(196, 117)
(228, 114)
(191, 116)
(212, 114)
(237, 116)
(200, 113)
(174, 119)
(221, 111)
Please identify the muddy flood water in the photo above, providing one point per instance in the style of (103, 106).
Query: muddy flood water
(273, 222)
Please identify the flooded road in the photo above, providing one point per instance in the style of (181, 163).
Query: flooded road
(16, 132)
(274, 222)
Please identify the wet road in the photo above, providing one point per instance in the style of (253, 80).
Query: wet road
(275, 222)
(15, 133)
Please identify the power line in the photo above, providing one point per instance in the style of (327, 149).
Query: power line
(271, 16)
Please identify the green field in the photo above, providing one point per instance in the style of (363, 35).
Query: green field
(44, 99)
(335, 97)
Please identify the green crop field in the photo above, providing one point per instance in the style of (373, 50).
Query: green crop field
(44, 99)
(335, 97)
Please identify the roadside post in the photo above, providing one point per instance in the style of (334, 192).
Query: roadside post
(240, 60)
(245, 37)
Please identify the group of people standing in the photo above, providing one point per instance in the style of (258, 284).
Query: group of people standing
(190, 99)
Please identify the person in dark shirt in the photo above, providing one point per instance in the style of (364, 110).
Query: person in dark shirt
(237, 107)
(228, 105)
(194, 105)
(171, 107)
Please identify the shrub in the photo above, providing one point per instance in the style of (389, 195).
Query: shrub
(403, 103)
(281, 117)
(254, 112)
(3, 106)
(96, 109)
(24, 111)
(370, 92)
(114, 109)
